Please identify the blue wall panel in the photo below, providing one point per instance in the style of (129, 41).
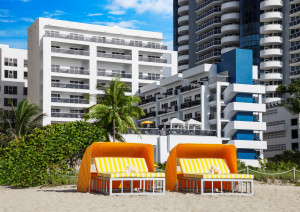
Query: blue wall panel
(246, 154)
(246, 135)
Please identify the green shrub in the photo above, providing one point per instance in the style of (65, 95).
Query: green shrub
(46, 152)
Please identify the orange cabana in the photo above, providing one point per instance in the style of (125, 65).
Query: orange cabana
(227, 152)
(108, 149)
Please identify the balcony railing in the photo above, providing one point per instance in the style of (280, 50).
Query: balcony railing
(145, 131)
(150, 114)
(104, 40)
(148, 100)
(295, 73)
(168, 110)
(67, 115)
(190, 132)
(73, 101)
(70, 51)
(218, 79)
(70, 71)
(114, 56)
(151, 77)
(72, 86)
(190, 104)
(104, 73)
(295, 60)
(154, 60)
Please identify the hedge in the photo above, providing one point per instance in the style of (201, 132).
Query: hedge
(46, 152)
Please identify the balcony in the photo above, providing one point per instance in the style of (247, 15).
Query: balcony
(230, 28)
(184, 39)
(67, 115)
(230, 6)
(271, 88)
(146, 131)
(104, 73)
(183, 2)
(152, 60)
(271, 53)
(183, 20)
(69, 85)
(230, 18)
(295, 12)
(213, 23)
(183, 49)
(182, 67)
(70, 51)
(271, 76)
(183, 58)
(183, 10)
(114, 56)
(190, 132)
(168, 110)
(69, 70)
(190, 104)
(271, 40)
(271, 28)
(183, 30)
(104, 40)
(149, 115)
(207, 4)
(148, 100)
(294, 74)
(190, 87)
(270, 65)
(218, 79)
(151, 77)
(72, 101)
(271, 16)
(230, 39)
(271, 4)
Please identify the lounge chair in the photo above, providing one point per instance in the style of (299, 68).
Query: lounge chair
(195, 175)
(114, 178)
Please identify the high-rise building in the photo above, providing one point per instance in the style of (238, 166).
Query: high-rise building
(269, 27)
(222, 98)
(68, 60)
(13, 76)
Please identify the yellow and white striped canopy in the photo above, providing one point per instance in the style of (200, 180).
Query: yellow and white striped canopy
(202, 165)
(122, 174)
(219, 176)
(117, 164)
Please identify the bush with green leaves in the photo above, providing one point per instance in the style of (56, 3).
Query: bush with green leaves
(46, 152)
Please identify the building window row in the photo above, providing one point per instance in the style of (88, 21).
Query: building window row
(274, 123)
(277, 134)
(7, 102)
(275, 147)
(13, 90)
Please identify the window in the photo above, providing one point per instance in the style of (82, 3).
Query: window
(11, 90)
(295, 147)
(197, 96)
(25, 91)
(76, 97)
(275, 123)
(53, 80)
(277, 134)
(187, 99)
(25, 63)
(174, 103)
(275, 147)
(77, 111)
(164, 105)
(25, 74)
(10, 62)
(188, 116)
(294, 122)
(164, 120)
(55, 95)
(55, 110)
(76, 82)
(294, 133)
(11, 74)
(7, 102)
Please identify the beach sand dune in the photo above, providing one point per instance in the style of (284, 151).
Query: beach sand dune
(65, 198)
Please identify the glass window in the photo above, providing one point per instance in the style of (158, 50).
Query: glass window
(294, 133)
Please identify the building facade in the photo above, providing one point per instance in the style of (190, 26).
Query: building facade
(282, 130)
(222, 97)
(68, 60)
(13, 76)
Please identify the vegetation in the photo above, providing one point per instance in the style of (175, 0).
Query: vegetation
(115, 111)
(46, 154)
(19, 121)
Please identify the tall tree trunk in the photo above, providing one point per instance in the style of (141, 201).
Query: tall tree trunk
(114, 130)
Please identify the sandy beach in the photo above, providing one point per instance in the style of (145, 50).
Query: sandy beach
(267, 197)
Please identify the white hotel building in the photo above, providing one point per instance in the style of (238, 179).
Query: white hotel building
(223, 98)
(13, 76)
(67, 61)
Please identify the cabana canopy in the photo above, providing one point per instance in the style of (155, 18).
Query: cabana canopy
(108, 149)
(227, 152)
(192, 122)
(175, 121)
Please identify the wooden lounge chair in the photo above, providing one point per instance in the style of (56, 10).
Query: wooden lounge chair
(195, 175)
(113, 177)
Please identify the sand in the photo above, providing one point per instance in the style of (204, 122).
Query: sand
(267, 197)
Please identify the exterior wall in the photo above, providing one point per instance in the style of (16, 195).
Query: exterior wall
(69, 60)
(279, 130)
(20, 82)
(164, 144)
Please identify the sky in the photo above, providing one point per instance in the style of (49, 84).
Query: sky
(150, 15)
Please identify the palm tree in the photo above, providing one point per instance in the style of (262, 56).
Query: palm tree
(292, 102)
(20, 120)
(115, 111)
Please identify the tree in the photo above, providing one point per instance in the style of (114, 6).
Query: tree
(115, 111)
(20, 120)
(292, 102)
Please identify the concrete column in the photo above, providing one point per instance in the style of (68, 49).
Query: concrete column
(93, 73)
(135, 71)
